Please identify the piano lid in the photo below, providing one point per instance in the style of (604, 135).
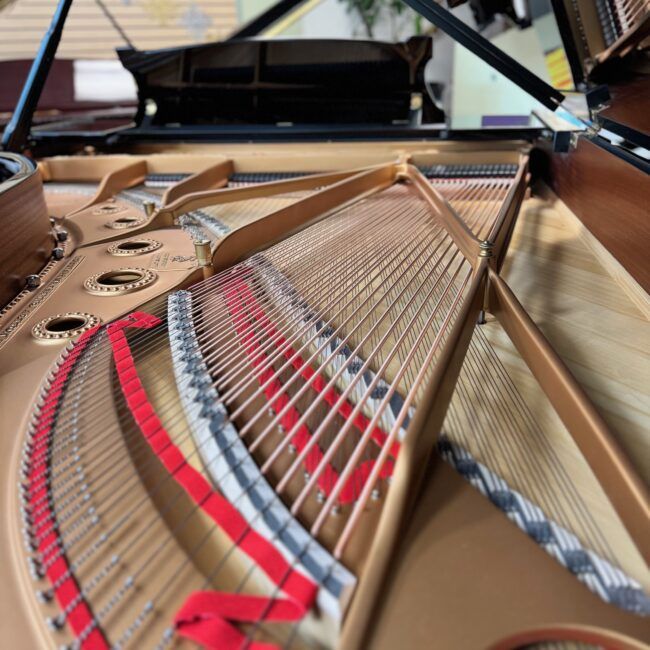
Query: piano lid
(250, 88)
(285, 81)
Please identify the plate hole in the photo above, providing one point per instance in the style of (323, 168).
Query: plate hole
(65, 324)
(133, 245)
(126, 220)
(117, 278)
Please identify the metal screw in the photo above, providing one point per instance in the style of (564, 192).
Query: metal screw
(32, 281)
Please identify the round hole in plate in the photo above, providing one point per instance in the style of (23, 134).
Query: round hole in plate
(118, 281)
(119, 278)
(125, 222)
(134, 247)
(62, 324)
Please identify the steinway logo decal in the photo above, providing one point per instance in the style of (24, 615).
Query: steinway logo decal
(40, 298)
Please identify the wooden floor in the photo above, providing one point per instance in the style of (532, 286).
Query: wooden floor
(590, 312)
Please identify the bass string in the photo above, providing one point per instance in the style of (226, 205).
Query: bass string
(211, 281)
(377, 414)
(377, 347)
(332, 381)
(209, 359)
(357, 511)
(408, 293)
(365, 436)
(341, 343)
(252, 569)
(209, 336)
(327, 227)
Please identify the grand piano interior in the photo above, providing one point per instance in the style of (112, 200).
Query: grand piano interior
(294, 357)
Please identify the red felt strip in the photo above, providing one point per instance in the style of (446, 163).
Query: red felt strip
(206, 617)
(65, 587)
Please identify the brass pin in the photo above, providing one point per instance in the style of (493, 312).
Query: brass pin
(149, 207)
(204, 256)
(485, 249)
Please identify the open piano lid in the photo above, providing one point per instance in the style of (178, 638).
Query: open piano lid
(326, 83)
(261, 89)
(282, 81)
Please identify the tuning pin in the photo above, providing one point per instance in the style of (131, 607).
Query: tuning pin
(44, 596)
(58, 253)
(55, 622)
(35, 569)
